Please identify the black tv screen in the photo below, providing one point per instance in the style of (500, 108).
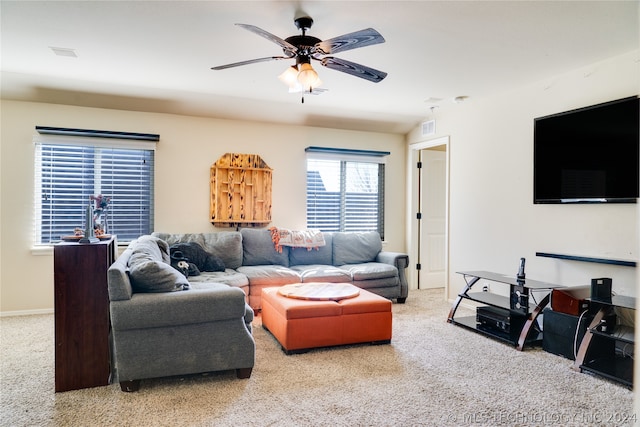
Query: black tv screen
(588, 155)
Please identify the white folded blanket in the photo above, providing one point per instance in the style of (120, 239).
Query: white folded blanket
(309, 238)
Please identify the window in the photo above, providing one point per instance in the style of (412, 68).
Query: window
(345, 190)
(70, 170)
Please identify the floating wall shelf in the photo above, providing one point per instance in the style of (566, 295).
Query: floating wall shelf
(611, 261)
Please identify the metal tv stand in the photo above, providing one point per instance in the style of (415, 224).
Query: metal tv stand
(519, 307)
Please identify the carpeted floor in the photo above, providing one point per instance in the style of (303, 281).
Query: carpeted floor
(432, 374)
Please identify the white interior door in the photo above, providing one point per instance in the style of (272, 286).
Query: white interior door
(433, 233)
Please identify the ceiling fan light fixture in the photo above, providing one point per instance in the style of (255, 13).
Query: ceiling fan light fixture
(308, 77)
(289, 76)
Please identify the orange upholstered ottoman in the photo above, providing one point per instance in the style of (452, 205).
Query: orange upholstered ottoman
(300, 324)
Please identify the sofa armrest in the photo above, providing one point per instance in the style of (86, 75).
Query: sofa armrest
(397, 259)
(151, 310)
(401, 262)
(118, 282)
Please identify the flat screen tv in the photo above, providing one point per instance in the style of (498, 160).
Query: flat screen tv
(588, 155)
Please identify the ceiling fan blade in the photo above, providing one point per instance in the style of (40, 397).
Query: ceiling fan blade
(251, 61)
(289, 49)
(354, 69)
(349, 41)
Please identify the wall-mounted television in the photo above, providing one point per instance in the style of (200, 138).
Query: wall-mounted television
(588, 155)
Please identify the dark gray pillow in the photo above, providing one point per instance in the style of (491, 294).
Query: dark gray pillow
(259, 249)
(148, 270)
(196, 254)
(225, 244)
(355, 248)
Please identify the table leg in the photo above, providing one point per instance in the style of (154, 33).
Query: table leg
(531, 321)
(586, 340)
(456, 303)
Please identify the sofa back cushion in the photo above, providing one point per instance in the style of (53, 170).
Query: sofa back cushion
(355, 248)
(227, 245)
(320, 255)
(259, 249)
(149, 268)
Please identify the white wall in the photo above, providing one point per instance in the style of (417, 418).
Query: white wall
(188, 147)
(493, 221)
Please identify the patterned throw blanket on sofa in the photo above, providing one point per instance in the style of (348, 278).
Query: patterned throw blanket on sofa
(296, 238)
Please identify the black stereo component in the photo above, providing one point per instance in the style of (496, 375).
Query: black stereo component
(601, 289)
(520, 299)
(500, 319)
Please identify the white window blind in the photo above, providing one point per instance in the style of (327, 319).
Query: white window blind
(345, 190)
(69, 170)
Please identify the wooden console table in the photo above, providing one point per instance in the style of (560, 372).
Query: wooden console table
(82, 313)
(518, 307)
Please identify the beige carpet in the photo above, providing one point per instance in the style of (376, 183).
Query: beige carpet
(432, 374)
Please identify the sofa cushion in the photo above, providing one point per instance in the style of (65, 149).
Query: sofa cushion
(386, 287)
(322, 273)
(228, 277)
(196, 254)
(370, 271)
(172, 238)
(206, 302)
(149, 268)
(355, 248)
(259, 249)
(225, 244)
(319, 255)
(273, 275)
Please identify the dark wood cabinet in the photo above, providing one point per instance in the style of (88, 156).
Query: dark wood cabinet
(82, 314)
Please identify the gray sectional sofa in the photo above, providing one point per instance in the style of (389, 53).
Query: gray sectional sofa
(165, 324)
(252, 262)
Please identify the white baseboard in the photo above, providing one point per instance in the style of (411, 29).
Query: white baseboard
(26, 312)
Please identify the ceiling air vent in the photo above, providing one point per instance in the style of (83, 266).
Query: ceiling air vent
(63, 51)
(429, 128)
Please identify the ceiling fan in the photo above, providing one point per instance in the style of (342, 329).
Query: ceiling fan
(301, 77)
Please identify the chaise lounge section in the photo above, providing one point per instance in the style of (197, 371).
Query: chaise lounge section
(158, 329)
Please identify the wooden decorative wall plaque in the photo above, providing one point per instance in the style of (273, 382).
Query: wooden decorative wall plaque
(240, 191)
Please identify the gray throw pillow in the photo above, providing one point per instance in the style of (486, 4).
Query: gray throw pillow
(148, 269)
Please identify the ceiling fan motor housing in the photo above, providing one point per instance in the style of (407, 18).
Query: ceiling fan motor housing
(303, 23)
(303, 43)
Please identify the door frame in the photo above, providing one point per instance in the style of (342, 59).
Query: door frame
(413, 231)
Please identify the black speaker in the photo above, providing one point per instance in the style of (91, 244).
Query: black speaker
(601, 289)
(559, 333)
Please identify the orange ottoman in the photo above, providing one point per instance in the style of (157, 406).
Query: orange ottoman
(303, 324)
